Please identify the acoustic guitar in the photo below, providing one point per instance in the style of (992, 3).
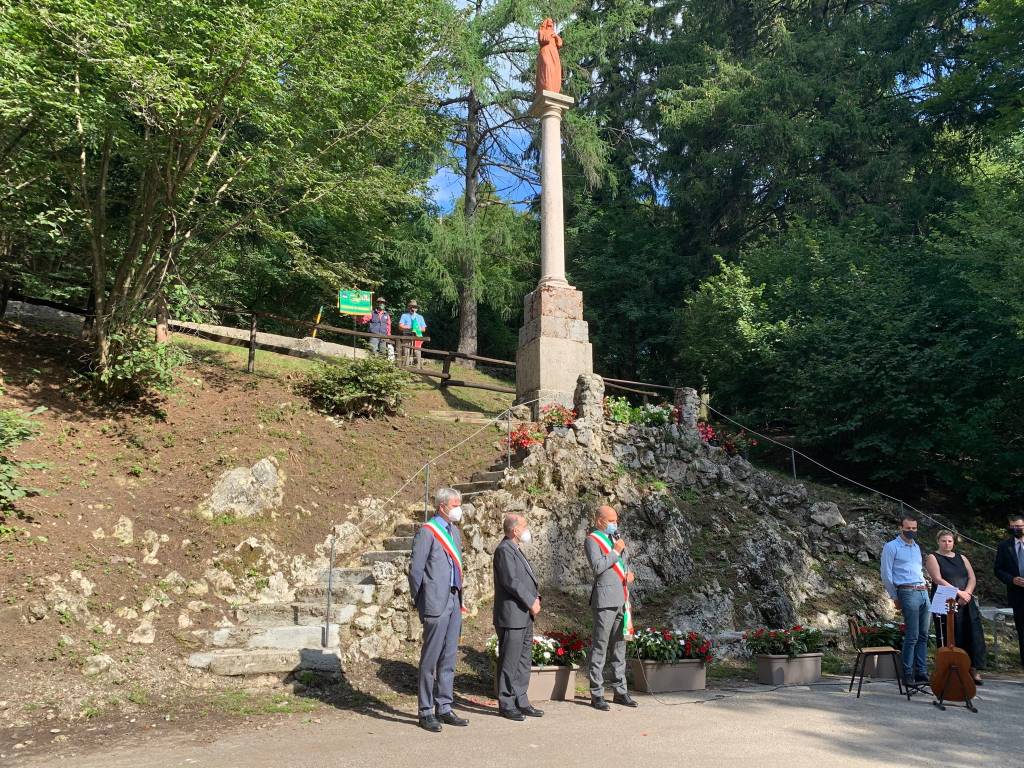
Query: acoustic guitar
(951, 679)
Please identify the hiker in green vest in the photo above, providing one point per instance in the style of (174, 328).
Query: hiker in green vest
(609, 601)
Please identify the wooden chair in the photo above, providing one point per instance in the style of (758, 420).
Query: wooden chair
(876, 652)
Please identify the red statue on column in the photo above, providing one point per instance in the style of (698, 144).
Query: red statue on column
(549, 64)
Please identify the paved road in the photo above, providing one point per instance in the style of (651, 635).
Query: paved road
(796, 727)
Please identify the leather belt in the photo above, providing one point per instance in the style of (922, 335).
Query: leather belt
(914, 587)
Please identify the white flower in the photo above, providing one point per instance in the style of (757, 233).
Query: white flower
(547, 655)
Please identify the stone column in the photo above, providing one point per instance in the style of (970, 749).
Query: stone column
(550, 107)
(554, 347)
(688, 403)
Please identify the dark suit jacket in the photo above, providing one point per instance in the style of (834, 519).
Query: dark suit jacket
(515, 586)
(1006, 569)
(430, 573)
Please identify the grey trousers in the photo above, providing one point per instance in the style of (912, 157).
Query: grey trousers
(515, 657)
(607, 630)
(437, 659)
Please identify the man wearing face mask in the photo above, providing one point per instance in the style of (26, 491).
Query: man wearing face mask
(903, 576)
(1010, 571)
(435, 585)
(516, 603)
(609, 602)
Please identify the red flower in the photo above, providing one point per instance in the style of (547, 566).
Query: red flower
(903, 627)
(560, 652)
(797, 628)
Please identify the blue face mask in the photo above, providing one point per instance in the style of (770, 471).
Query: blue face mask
(611, 529)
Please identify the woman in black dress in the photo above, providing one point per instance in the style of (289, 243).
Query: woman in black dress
(952, 569)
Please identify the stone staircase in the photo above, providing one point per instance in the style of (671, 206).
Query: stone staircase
(287, 637)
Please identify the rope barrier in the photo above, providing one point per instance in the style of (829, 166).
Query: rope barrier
(794, 452)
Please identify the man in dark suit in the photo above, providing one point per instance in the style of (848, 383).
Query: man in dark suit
(516, 602)
(435, 585)
(1010, 571)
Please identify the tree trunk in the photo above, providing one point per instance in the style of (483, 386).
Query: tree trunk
(467, 292)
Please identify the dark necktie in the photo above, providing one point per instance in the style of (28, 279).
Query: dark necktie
(1020, 559)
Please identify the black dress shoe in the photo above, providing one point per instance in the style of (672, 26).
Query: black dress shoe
(512, 714)
(598, 702)
(920, 678)
(532, 711)
(624, 699)
(450, 718)
(430, 723)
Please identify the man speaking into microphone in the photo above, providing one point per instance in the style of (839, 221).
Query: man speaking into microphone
(609, 601)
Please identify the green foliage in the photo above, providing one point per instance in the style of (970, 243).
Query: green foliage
(620, 411)
(356, 388)
(14, 429)
(137, 366)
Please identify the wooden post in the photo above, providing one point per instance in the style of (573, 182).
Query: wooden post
(446, 369)
(251, 366)
(162, 334)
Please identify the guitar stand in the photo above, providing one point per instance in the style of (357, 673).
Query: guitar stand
(967, 702)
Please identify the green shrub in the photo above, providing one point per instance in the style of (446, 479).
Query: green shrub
(137, 365)
(620, 411)
(14, 429)
(351, 388)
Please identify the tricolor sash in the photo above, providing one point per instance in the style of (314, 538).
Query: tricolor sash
(447, 543)
(605, 544)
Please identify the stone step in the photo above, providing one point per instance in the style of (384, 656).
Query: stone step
(304, 614)
(468, 492)
(384, 556)
(490, 475)
(348, 576)
(340, 593)
(265, 661)
(398, 544)
(407, 529)
(293, 637)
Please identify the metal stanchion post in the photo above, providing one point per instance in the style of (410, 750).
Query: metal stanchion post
(326, 639)
(508, 439)
(792, 458)
(426, 492)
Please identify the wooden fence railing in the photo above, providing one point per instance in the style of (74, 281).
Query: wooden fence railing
(9, 291)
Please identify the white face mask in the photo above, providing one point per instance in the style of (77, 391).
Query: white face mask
(526, 537)
(455, 514)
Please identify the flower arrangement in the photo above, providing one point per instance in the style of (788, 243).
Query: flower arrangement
(572, 649)
(556, 649)
(738, 442)
(885, 633)
(669, 645)
(555, 415)
(707, 432)
(784, 642)
(525, 435)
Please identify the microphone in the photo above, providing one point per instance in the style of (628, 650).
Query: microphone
(615, 536)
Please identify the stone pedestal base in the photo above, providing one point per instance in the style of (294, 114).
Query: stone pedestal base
(553, 346)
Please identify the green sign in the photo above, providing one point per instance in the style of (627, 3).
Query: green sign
(355, 302)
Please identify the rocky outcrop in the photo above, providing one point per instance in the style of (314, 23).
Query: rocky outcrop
(716, 544)
(246, 491)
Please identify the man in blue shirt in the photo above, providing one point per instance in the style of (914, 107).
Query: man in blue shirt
(903, 576)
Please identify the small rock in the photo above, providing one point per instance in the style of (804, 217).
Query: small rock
(123, 531)
(99, 534)
(144, 634)
(97, 665)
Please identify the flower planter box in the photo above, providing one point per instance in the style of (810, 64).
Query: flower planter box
(665, 677)
(880, 667)
(547, 683)
(801, 669)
